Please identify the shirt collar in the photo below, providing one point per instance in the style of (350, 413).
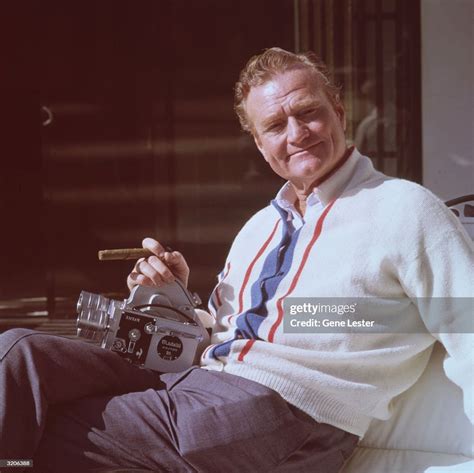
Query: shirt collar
(327, 188)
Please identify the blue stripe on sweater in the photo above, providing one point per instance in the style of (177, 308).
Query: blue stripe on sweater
(276, 265)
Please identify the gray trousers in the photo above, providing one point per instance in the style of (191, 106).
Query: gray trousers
(72, 407)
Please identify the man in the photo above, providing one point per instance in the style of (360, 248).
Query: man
(266, 400)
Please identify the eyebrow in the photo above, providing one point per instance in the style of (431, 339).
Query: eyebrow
(313, 102)
(271, 120)
(301, 104)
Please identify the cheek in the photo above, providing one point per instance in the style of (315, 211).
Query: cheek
(340, 136)
(272, 149)
(264, 153)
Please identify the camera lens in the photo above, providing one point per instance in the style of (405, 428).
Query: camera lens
(92, 320)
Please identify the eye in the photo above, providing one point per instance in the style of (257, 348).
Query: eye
(274, 127)
(308, 112)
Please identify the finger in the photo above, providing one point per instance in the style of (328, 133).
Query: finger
(135, 268)
(138, 279)
(160, 266)
(180, 266)
(147, 270)
(175, 259)
(153, 245)
(170, 259)
(157, 272)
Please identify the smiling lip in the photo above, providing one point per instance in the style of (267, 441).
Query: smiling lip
(304, 150)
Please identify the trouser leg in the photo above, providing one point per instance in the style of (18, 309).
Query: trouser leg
(126, 431)
(325, 450)
(198, 421)
(41, 370)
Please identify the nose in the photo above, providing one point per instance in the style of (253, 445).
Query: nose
(297, 131)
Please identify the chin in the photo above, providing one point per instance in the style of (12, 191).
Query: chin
(310, 170)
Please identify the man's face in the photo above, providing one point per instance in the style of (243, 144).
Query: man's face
(296, 128)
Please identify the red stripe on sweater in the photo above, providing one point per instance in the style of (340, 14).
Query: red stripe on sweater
(317, 232)
(245, 350)
(249, 344)
(252, 264)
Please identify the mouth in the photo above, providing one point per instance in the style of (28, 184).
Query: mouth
(304, 150)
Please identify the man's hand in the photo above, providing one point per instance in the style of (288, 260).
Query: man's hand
(161, 268)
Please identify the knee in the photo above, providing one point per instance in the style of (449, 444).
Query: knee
(17, 333)
(16, 337)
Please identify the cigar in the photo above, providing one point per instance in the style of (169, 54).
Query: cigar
(123, 254)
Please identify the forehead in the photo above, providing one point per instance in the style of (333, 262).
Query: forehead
(283, 92)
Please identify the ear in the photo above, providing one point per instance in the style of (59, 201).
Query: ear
(341, 113)
(258, 144)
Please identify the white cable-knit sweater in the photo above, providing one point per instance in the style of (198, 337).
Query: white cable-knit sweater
(363, 235)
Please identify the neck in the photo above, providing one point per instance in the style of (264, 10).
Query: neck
(303, 192)
(300, 204)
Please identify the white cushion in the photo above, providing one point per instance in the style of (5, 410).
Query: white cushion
(374, 460)
(428, 428)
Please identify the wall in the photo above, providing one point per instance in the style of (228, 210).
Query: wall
(447, 96)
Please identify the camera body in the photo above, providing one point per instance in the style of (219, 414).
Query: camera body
(156, 328)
